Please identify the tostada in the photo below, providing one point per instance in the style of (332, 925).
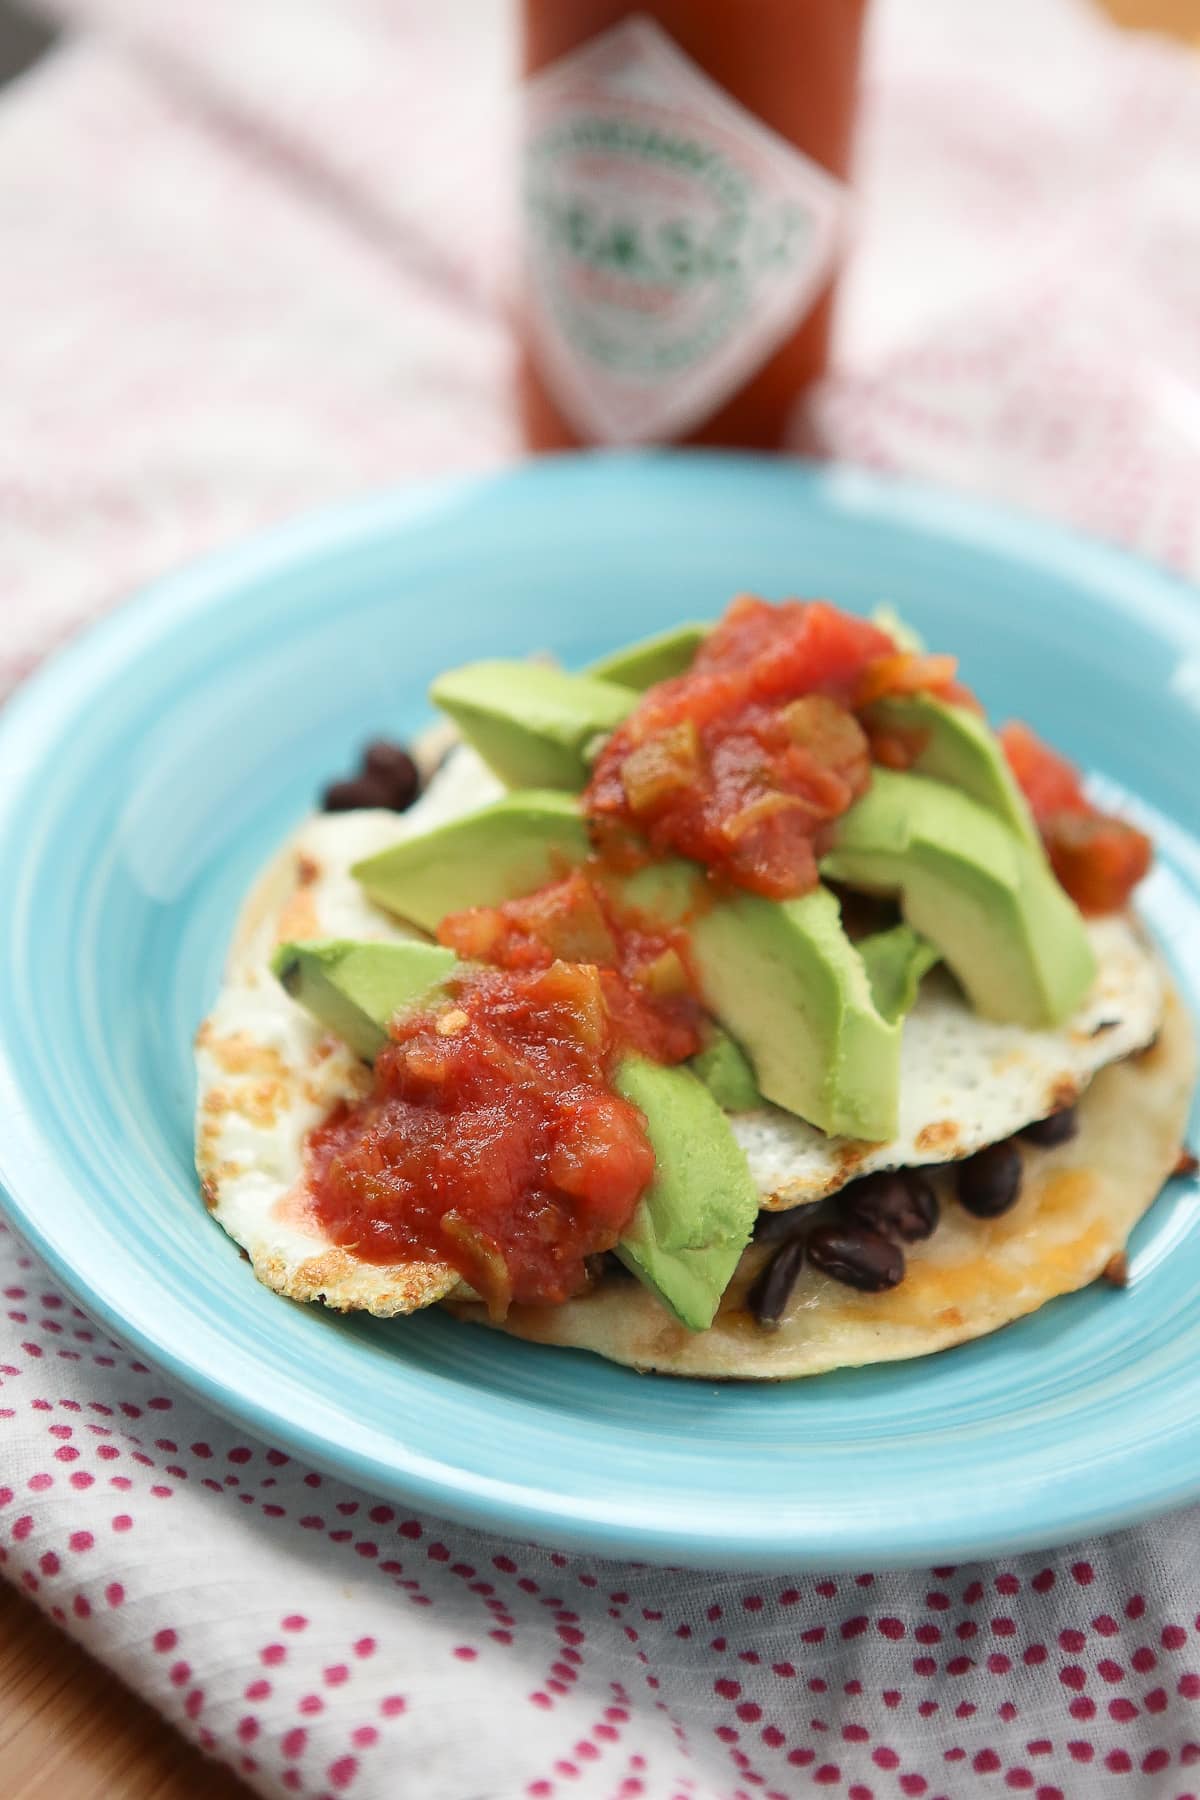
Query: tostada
(742, 1006)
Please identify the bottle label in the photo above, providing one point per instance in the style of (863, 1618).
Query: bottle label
(673, 241)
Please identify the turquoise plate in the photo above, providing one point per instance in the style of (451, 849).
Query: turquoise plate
(147, 773)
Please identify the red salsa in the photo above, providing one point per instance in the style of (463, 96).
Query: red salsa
(1098, 859)
(491, 1139)
(645, 979)
(745, 762)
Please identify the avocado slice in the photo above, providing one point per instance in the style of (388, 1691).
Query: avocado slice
(903, 635)
(694, 1219)
(785, 980)
(533, 725)
(652, 659)
(726, 1071)
(512, 847)
(960, 749)
(970, 885)
(896, 961)
(357, 989)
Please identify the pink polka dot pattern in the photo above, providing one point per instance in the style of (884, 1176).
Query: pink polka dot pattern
(313, 1668)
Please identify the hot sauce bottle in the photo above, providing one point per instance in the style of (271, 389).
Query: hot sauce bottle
(683, 203)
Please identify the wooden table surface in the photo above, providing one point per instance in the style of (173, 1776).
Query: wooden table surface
(68, 1729)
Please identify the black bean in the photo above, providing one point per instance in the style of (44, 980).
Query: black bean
(990, 1182)
(351, 796)
(393, 768)
(778, 1227)
(1057, 1128)
(899, 1204)
(772, 1286)
(857, 1256)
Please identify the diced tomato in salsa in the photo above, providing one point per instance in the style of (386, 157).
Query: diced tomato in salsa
(644, 972)
(1098, 859)
(1048, 781)
(491, 1140)
(908, 672)
(744, 762)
